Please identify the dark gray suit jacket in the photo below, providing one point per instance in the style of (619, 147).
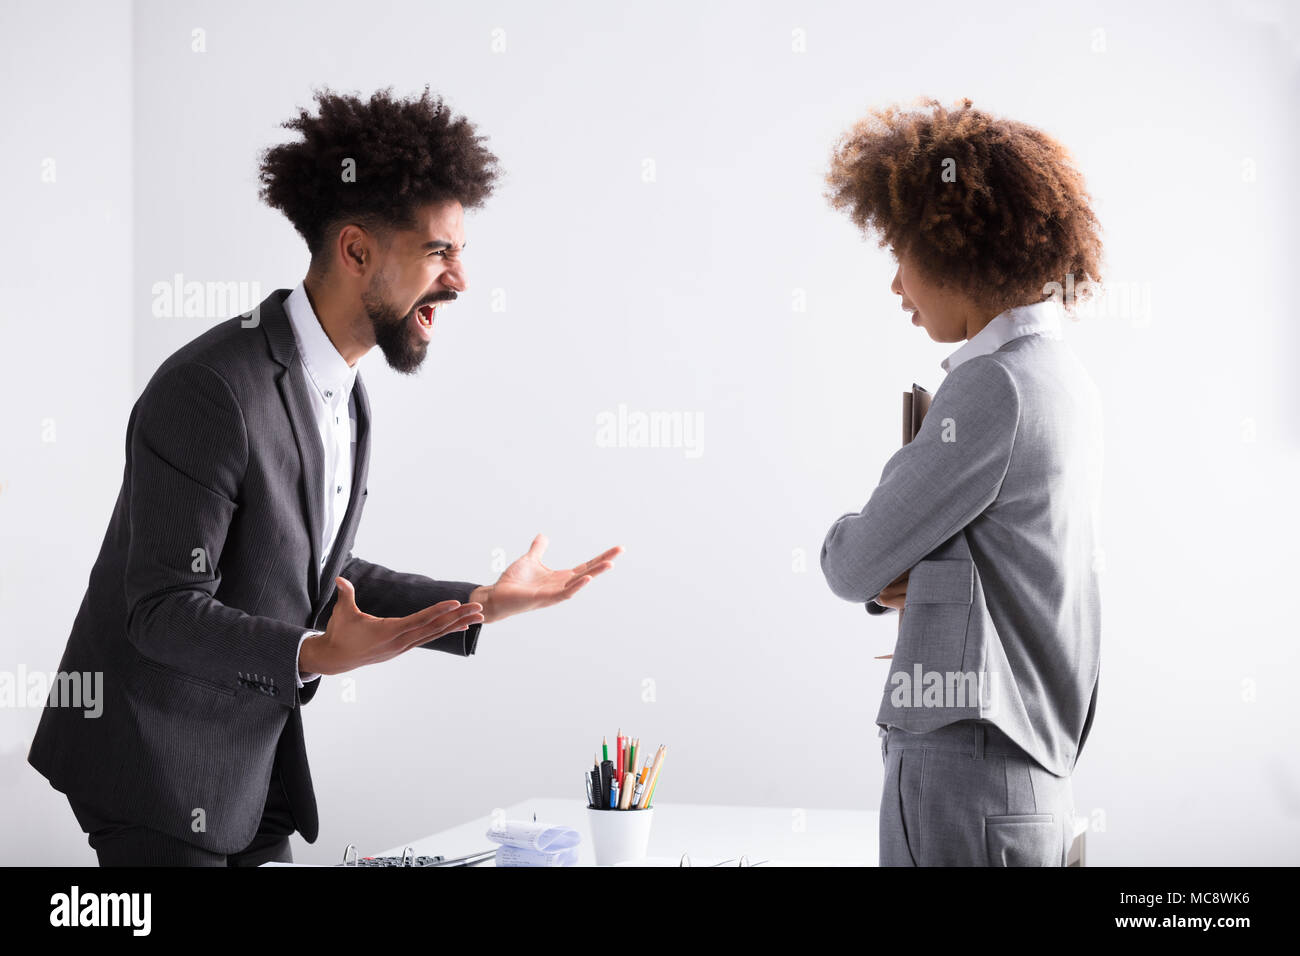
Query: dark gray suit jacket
(207, 577)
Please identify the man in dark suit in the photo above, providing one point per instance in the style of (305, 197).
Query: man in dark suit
(231, 539)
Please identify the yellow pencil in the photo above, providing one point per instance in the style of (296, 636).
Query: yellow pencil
(654, 775)
(650, 795)
(650, 765)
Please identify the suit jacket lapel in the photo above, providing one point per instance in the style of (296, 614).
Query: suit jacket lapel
(292, 383)
(360, 466)
(293, 390)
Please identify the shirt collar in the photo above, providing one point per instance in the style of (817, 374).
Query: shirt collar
(1041, 318)
(329, 372)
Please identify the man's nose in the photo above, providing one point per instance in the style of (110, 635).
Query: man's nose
(454, 278)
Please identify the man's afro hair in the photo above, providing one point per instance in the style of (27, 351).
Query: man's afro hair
(403, 154)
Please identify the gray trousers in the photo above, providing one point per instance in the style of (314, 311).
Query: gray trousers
(966, 795)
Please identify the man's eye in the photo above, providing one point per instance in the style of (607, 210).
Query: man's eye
(438, 252)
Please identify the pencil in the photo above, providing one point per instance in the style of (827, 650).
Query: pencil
(650, 796)
(654, 773)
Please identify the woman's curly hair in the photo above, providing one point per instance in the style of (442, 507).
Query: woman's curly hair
(1013, 216)
(404, 154)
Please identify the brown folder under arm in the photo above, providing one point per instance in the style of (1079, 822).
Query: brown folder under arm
(915, 405)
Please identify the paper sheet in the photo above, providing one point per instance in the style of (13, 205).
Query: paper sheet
(527, 835)
(515, 856)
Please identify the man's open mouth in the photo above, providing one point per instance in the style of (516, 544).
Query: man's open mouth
(424, 315)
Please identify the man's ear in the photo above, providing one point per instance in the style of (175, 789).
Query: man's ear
(355, 248)
(356, 254)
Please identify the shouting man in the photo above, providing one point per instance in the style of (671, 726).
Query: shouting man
(231, 539)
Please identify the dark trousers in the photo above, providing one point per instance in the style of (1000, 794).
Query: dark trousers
(128, 844)
(967, 795)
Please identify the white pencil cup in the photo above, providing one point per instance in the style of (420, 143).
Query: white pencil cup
(619, 835)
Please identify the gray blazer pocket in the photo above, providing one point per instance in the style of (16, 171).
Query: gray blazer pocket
(943, 581)
(1023, 839)
(936, 611)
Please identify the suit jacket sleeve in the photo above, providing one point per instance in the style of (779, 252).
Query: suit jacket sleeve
(933, 486)
(387, 593)
(187, 452)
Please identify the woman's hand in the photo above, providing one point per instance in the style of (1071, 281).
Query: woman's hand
(895, 594)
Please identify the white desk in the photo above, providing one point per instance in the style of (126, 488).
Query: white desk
(707, 833)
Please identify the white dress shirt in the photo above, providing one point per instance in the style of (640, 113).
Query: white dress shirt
(1041, 318)
(329, 382)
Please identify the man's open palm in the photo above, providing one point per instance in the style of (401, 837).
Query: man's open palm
(528, 584)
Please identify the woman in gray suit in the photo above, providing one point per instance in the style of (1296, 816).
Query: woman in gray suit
(983, 530)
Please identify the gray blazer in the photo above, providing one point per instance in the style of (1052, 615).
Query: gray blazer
(994, 507)
(207, 577)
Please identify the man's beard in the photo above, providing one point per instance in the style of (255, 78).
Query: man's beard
(395, 334)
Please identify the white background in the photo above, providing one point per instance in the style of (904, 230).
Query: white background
(680, 295)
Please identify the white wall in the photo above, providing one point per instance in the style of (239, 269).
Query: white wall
(66, 387)
(677, 295)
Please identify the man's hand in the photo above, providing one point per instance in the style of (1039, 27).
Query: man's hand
(895, 594)
(528, 584)
(353, 638)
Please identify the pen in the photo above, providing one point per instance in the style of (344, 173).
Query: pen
(469, 860)
(613, 796)
(640, 787)
(606, 782)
